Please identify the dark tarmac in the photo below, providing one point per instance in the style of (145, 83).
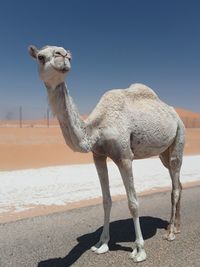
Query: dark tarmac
(63, 239)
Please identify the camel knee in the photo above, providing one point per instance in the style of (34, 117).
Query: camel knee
(133, 207)
(176, 193)
(175, 163)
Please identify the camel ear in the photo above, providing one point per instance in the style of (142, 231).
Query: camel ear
(69, 55)
(33, 51)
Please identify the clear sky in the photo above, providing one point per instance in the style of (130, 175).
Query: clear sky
(113, 43)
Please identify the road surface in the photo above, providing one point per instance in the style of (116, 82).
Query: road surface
(64, 239)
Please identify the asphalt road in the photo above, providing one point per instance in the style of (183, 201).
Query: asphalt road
(64, 239)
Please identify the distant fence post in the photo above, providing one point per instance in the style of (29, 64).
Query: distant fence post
(48, 117)
(20, 116)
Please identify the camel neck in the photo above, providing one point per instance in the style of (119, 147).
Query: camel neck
(72, 126)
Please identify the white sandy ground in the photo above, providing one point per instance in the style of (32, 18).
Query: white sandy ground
(20, 190)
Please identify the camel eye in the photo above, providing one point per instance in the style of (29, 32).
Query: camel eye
(41, 58)
(58, 54)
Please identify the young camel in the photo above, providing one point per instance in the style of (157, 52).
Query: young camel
(126, 124)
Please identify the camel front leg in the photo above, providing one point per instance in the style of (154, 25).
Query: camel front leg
(125, 168)
(101, 166)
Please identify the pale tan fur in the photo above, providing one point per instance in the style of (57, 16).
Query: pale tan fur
(126, 124)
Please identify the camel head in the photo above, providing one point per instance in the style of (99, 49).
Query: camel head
(53, 64)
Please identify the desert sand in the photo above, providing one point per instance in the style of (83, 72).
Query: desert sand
(25, 148)
(34, 145)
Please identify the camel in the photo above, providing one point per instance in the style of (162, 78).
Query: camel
(126, 124)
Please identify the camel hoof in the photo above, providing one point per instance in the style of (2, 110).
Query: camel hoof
(169, 236)
(102, 249)
(177, 230)
(138, 256)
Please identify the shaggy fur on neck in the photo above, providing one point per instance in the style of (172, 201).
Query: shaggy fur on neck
(72, 126)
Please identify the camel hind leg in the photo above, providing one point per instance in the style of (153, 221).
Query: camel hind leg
(172, 159)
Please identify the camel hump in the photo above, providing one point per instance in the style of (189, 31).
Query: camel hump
(142, 91)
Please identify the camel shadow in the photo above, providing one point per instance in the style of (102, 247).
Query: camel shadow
(120, 231)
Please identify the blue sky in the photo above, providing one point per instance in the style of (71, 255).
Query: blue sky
(113, 43)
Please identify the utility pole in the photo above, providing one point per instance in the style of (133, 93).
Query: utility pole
(48, 117)
(20, 116)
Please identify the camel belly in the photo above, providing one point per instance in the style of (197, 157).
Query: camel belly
(152, 142)
(141, 152)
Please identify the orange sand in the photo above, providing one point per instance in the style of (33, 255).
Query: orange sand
(22, 148)
(34, 147)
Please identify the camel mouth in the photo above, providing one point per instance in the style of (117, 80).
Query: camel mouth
(63, 70)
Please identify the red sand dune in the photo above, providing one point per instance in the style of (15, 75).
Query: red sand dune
(190, 119)
(187, 113)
